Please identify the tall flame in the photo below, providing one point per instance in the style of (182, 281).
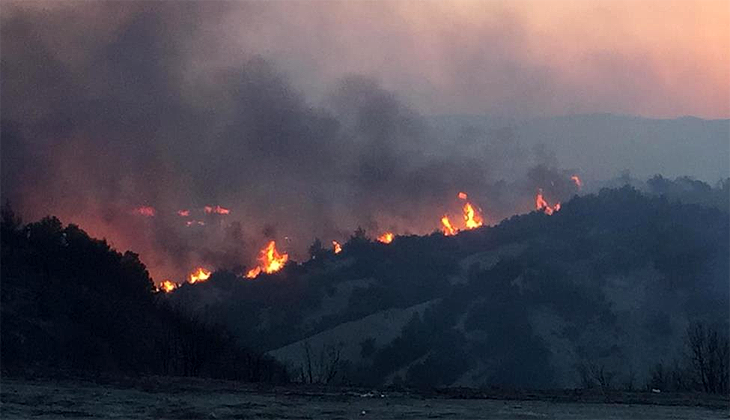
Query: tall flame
(446, 227)
(386, 238)
(216, 210)
(472, 217)
(542, 204)
(578, 182)
(199, 275)
(336, 247)
(270, 261)
(167, 286)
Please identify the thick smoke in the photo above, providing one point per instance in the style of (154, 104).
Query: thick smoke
(106, 109)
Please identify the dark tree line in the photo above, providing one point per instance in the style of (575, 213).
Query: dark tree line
(72, 303)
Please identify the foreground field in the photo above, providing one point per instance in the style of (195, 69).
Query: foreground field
(188, 398)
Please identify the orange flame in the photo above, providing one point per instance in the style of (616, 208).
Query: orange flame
(542, 204)
(145, 211)
(200, 275)
(472, 217)
(270, 261)
(386, 238)
(216, 210)
(578, 182)
(167, 286)
(336, 247)
(183, 213)
(446, 227)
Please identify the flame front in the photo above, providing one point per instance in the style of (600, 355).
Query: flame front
(216, 210)
(201, 274)
(578, 182)
(183, 213)
(167, 286)
(542, 204)
(336, 247)
(386, 238)
(446, 227)
(270, 261)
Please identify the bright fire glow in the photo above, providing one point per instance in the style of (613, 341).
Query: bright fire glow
(167, 286)
(336, 247)
(145, 211)
(386, 238)
(270, 261)
(542, 204)
(216, 210)
(199, 275)
(578, 182)
(446, 227)
(472, 217)
(183, 213)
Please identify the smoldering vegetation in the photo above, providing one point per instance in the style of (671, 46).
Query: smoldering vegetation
(110, 107)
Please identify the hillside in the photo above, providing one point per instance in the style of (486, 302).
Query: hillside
(602, 290)
(71, 303)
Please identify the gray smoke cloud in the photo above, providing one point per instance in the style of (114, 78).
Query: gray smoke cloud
(111, 106)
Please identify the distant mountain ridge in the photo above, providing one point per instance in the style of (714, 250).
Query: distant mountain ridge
(601, 146)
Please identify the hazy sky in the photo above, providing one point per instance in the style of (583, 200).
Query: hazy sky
(649, 58)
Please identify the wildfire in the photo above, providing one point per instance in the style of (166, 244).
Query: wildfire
(270, 261)
(472, 217)
(386, 238)
(336, 247)
(167, 286)
(200, 275)
(216, 210)
(542, 204)
(194, 222)
(578, 182)
(183, 213)
(145, 211)
(446, 227)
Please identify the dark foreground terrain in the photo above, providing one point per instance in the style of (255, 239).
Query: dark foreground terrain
(208, 399)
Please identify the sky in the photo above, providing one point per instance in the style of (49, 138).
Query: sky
(649, 58)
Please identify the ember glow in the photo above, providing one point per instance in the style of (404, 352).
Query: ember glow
(216, 210)
(336, 247)
(270, 261)
(578, 182)
(542, 204)
(167, 286)
(199, 275)
(194, 222)
(145, 211)
(386, 238)
(463, 196)
(183, 213)
(446, 226)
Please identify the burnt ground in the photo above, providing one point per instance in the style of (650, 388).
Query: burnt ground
(185, 398)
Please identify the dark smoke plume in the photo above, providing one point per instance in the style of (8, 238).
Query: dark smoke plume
(109, 106)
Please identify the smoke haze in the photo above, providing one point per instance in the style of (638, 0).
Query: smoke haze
(305, 120)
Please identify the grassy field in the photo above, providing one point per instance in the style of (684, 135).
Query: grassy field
(178, 398)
